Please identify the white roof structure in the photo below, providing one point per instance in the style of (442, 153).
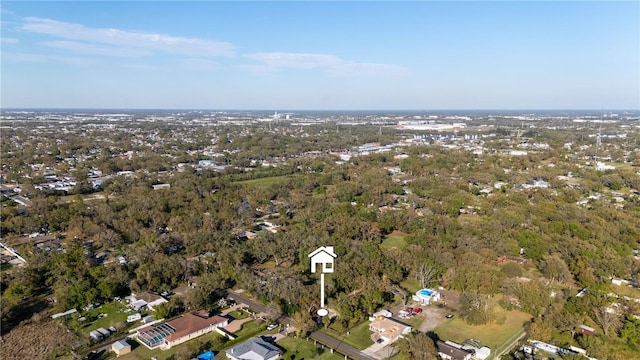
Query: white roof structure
(482, 353)
(120, 344)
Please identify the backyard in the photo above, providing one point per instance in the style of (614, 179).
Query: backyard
(299, 349)
(358, 336)
(492, 335)
(113, 314)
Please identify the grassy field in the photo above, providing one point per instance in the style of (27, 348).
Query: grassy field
(491, 335)
(359, 336)
(299, 349)
(394, 240)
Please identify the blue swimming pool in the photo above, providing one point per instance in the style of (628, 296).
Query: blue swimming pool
(426, 292)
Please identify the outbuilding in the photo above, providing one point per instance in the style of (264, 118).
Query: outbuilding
(121, 347)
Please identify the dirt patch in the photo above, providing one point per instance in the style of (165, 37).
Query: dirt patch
(36, 339)
(434, 315)
(436, 312)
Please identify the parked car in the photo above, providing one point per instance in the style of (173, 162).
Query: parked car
(272, 326)
(410, 310)
(449, 316)
(417, 310)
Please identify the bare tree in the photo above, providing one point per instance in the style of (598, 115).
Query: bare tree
(397, 290)
(425, 274)
(606, 318)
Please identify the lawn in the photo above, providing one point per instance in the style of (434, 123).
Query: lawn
(140, 352)
(251, 328)
(238, 315)
(491, 335)
(411, 284)
(359, 336)
(299, 349)
(394, 240)
(116, 317)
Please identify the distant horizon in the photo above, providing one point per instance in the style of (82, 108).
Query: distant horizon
(283, 111)
(320, 55)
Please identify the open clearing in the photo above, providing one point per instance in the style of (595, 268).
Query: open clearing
(394, 240)
(492, 335)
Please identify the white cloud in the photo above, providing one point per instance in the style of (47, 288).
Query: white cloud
(199, 64)
(331, 64)
(40, 58)
(257, 68)
(6, 40)
(145, 67)
(140, 41)
(367, 69)
(93, 49)
(295, 60)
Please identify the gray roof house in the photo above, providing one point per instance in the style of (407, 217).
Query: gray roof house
(254, 349)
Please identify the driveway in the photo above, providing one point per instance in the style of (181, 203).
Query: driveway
(434, 315)
(236, 325)
(380, 351)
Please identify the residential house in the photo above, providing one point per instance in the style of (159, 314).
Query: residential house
(448, 350)
(182, 329)
(254, 349)
(145, 300)
(387, 329)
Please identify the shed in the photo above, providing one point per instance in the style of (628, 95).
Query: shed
(586, 330)
(96, 335)
(121, 347)
(105, 333)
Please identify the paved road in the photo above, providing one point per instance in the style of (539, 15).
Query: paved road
(325, 339)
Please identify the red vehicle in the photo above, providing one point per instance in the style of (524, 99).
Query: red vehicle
(410, 310)
(417, 311)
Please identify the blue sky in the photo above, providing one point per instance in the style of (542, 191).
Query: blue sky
(316, 55)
